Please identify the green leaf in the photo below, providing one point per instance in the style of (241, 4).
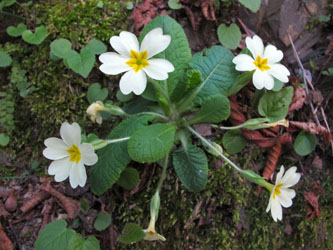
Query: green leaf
(123, 98)
(78, 243)
(6, 3)
(217, 70)
(233, 141)
(113, 158)
(4, 139)
(191, 167)
(252, 176)
(178, 51)
(60, 47)
(37, 37)
(151, 143)
(278, 85)
(102, 221)
(55, 236)
(96, 47)
(100, 4)
(81, 63)
(252, 5)
(16, 31)
(129, 178)
(214, 109)
(174, 4)
(131, 233)
(305, 143)
(230, 37)
(96, 93)
(5, 59)
(241, 81)
(274, 105)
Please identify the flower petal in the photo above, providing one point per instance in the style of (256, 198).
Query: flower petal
(158, 69)
(124, 43)
(276, 209)
(113, 63)
(272, 54)
(78, 175)
(244, 63)
(286, 197)
(60, 169)
(290, 178)
(269, 203)
(279, 71)
(70, 134)
(88, 156)
(261, 79)
(279, 175)
(155, 42)
(133, 82)
(255, 45)
(56, 149)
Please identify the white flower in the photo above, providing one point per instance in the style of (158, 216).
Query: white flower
(94, 111)
(265, 62)
(69, 155)
(281, 195)
(135, 60)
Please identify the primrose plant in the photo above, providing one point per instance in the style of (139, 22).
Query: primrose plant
(173, 91)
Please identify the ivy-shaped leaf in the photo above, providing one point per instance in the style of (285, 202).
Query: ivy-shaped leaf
(55, 236)
(102, 221)
(96, 93)
(233, 141)
(78, 243)
(230, 36)
(113, 158)
(96, 47)
(35, 38)
(129, 178)
(252, 5)
(214, 109)
(151, 143)
(191, 167)
(131, 233)
(60, 47)
(217, 70)
(305, 143)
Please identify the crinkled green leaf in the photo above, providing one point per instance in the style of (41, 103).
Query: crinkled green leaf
(252, 5)
(113, 158)
(5, 59)
(96, 93)
(96, 47)
(233, 141)
(35, 38)
(55, 236)
(16, 31)
(274, 105)
(129, 178)
(191, 167)
(151, 143)
(78, 243)
(305, 143)
(217, 70)
(230, 36)
(215, 108)
(131, 233)
(178, 51)
(102, 221)
(81, 63)
(60, 47)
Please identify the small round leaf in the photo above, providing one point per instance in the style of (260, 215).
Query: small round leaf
(305, 143)
(102, 221)
(229, 36)
(233, 141)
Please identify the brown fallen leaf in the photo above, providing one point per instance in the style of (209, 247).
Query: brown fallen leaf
(46, 213)
(312, 209)
(298, 99)
(34, 201)
(72, 207)
(3, 211)
(207, 7)
(5, 243)
(11, 202)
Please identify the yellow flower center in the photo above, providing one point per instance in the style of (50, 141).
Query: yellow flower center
(138, 60)
(277, 190)
(261, 63)
(75, 154)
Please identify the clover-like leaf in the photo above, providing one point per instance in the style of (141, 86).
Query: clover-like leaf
(4, 139)
(5, 59)
(96, 93)
(131, 233)
(16, 31)
(230, 36)
(233, 141)
(252, 5)
(96, 47)
(81, 63)
(78, 243)
(305, 143)
(60, 47)
(35, 38)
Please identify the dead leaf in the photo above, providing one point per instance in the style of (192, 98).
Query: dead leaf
(5, 243)
(208, 9)
(34, 201)
(312, 209)
(298, 99)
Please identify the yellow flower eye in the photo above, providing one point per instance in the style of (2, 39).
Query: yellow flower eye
(261, 63)
(75, 154)
(138, 60)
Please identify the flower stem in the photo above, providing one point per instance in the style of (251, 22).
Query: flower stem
(10, 14)
(162, 178)
(154, 114)
(98, 144)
